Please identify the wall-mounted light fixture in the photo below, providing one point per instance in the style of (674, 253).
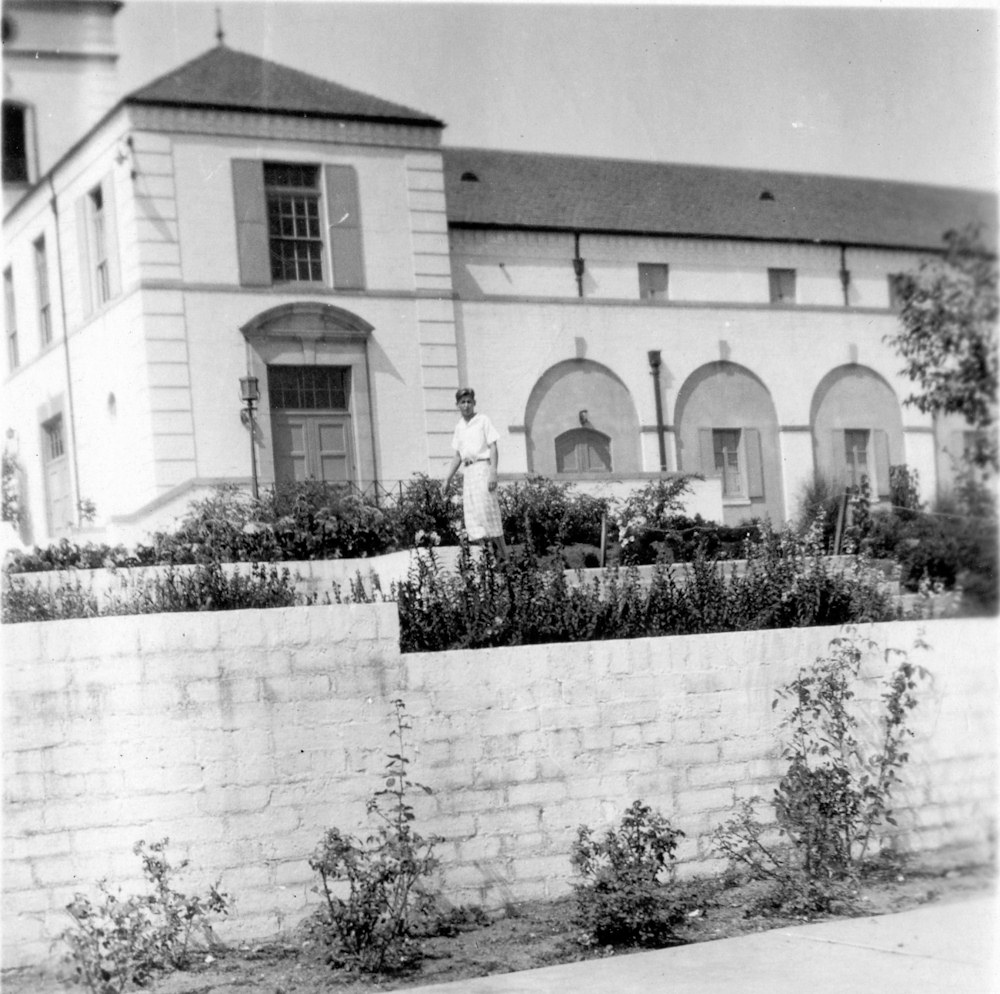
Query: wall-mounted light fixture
(584, 418)
(250, 395)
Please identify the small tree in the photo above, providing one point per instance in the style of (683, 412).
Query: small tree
(948, 338)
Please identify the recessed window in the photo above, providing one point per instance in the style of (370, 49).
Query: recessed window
(15, 143)
(10, 320)
(99, 230)
(293, 212)
(309, 388)
(42, 290)
(781, 284)
(727, 450)
(897, 284)
(470, 178)
(766, 195)
(654, 281)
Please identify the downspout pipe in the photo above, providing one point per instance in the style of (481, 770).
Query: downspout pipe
(654, 368)
(579, 266)
(54, 203)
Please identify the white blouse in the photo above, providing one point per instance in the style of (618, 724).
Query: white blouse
(472, 438)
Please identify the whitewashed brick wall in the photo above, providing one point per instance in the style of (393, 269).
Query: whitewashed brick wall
(244, 735)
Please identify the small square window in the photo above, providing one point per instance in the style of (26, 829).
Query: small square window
(781, 283)
(653, 281)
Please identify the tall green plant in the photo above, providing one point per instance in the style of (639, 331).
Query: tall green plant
(836, 793)
(373, 929)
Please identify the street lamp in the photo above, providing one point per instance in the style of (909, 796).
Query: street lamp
(250, 394)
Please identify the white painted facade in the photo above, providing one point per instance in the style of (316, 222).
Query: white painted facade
(146, 383)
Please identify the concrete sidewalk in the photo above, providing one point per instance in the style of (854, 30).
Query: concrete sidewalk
(948, 948)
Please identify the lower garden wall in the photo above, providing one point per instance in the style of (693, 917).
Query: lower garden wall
(243, 735)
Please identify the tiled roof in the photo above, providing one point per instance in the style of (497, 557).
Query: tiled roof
(533, 190)
(226, 78)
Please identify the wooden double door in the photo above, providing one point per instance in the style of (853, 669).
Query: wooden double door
(311, 424)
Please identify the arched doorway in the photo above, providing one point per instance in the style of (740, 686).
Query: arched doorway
(727, 426)
(580, 420)
(315, 408)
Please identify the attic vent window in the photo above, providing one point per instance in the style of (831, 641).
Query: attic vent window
(470, 178)
(766, 195)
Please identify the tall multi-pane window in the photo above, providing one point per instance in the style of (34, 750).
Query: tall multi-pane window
(10, 320)
(653, 281)
(42, 284)
(293, 222)
(781, 285)
(726, 447)
(856, 455)
(98, 220)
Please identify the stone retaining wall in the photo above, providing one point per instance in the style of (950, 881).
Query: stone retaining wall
(243, 735)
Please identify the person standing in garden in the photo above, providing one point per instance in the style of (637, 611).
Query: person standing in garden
(475, 444)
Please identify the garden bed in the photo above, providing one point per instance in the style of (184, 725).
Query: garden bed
(531, 935)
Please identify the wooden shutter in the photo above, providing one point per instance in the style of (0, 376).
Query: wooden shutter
(880, 443)
(755, 466)
(251, 222)
(343, 211)
(111, 236)
(83, 251)
(838, 458)
(707, 451)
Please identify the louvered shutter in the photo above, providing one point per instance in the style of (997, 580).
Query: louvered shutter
(706, 451)
(251, 222)
(880, 443)
(344, 218)
(111, 236)
(755, 466)
(83, 252)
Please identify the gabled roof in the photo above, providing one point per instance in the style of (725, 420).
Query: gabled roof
(224, 78)
(560, 192)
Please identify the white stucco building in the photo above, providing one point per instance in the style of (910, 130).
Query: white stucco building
(240, 218)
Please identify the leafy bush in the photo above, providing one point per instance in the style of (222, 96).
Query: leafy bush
(644, 517)
(374, 929)
(836, 792)
(122, 941)
(786, 583)
(626, 897)
(424, 515)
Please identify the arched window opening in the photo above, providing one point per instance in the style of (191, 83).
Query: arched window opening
(583, 450)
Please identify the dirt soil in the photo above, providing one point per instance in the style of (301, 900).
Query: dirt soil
(522, 937)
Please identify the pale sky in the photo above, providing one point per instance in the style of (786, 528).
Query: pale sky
(887, 92)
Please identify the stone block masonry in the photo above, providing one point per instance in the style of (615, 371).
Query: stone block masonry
(244, 735)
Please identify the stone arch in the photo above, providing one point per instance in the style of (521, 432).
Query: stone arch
(853, 404)
(726, 425)
(581, 393)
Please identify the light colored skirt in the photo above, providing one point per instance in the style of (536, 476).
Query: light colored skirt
(482, 509)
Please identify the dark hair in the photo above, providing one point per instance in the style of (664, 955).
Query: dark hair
(464, 392)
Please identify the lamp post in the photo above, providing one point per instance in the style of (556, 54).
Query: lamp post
(250, 394)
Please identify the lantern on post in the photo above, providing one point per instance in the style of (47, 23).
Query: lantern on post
(250, 395)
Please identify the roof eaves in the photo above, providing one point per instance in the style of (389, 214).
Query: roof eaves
(417, 122)
(554, 229)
